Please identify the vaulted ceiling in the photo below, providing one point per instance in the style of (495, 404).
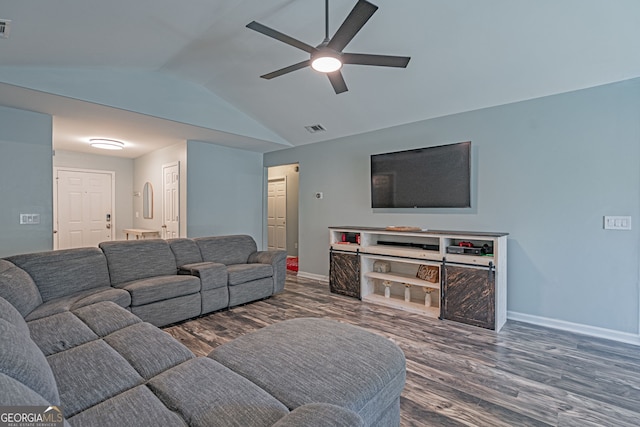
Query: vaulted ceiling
(154, 72)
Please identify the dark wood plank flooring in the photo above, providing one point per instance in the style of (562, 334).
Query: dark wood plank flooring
(459, 375)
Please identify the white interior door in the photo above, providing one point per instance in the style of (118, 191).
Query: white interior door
(84, 202)
(277, 214)
(171, 200)
(271, 215)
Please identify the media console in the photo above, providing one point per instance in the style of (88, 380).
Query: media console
(453, 275)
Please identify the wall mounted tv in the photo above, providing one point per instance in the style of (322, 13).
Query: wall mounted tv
(431, 177)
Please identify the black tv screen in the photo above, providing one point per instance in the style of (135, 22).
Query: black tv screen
(431, 177)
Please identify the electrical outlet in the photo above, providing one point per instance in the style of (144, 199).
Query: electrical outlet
(617, 223)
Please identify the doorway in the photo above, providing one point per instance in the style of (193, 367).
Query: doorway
(282, 210)
(84, 203)
(171, 200)
(277, 214)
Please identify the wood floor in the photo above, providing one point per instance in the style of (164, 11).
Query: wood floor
(460, 375)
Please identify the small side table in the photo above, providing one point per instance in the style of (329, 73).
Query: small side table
(141, 233)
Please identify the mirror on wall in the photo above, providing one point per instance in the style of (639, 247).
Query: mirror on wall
(147, 201)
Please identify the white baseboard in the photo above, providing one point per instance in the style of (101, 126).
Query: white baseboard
(563, 325)
(318, 277)
(593, 331)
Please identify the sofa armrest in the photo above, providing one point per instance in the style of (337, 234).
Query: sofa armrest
(277, 259)
(320, 415)
(212, 275)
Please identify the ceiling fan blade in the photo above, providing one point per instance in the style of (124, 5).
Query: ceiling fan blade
(256, 26)
(286, 70)
(360, 14)
(379, 60)
(337, 81)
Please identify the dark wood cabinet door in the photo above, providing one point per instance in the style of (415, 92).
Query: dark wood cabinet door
(344, 274)
(469, 295)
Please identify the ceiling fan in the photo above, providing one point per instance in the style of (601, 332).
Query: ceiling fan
(328, 56)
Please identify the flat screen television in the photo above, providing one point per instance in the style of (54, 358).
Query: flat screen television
(431, 177)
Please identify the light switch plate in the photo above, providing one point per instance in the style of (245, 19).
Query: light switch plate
(29, 219)
(617, 222)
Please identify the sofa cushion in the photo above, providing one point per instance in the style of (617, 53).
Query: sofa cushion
(94, 317)
(60, 332)
(186, 251)
(64, 272)
(22, 360)
(148, 349)
(169, 311)
(16, 393)
(17, 287)
(206, 393)
(243, 273)
(226, 250)
(250, 291)
(302, 361)
(160, 288)
(138, 259)
(135, 407)
(81, 299)
(9, 313)
(90, 373)
(123, 299)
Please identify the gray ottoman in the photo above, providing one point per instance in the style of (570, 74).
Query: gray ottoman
(306, 360)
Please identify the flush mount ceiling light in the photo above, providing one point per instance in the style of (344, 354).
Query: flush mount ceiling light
(106, 144)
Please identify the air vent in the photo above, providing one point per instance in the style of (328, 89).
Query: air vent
(5, 26)
(315, 128)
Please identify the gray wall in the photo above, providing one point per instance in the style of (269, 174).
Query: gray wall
(225, 191)
(26, 179)
(123, 169)
(545, 170)
(148, 168)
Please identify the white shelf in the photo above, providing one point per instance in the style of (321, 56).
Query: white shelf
(401, 278)
(405, 252)
(483, 260)
(347, 247)
(402, 252)
(401, 304)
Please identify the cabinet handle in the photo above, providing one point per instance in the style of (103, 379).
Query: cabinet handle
(443, 288)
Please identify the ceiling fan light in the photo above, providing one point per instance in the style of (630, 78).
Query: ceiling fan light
(106, 144)
(326, 64)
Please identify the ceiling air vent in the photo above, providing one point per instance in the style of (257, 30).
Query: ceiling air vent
(5, 25)
(315, 128)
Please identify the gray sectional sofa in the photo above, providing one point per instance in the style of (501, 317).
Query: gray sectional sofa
(160, 281)
(77, 331)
